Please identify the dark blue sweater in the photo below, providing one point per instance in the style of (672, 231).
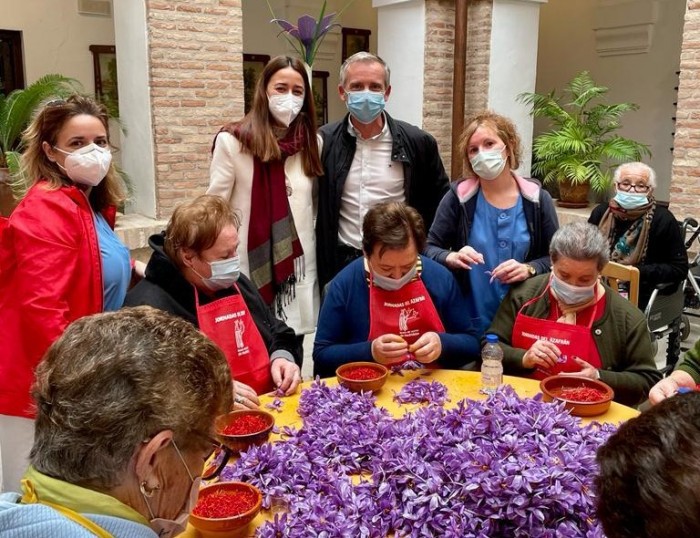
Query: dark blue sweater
(343, 324)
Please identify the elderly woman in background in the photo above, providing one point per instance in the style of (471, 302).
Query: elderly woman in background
(492, 228)
(265, 166)
(59, 256)
(195, 273)
(125, 409)
(641, 232)
(393, 304)
(569, 322)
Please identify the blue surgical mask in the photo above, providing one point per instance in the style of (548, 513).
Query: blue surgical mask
(392, 284)
(224, 273)
(365, 105)
(631, 200)
(570, 294)
(488, 164)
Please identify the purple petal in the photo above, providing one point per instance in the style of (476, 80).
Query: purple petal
(287, 27)
(307, 30)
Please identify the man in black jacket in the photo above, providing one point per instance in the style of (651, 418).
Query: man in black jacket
(369, 157)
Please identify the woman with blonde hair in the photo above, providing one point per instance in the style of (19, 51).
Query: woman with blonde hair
(59, 256)
(265, 165)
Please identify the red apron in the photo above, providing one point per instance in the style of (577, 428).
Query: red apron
(572, 340)
(408, 312)
(228, 323)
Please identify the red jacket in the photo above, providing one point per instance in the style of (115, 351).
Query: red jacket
(50, 275)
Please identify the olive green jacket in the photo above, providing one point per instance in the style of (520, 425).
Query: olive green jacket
(691, 362)
(621, 336)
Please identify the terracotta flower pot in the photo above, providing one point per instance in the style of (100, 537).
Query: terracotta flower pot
(7, 200)
(571, 195)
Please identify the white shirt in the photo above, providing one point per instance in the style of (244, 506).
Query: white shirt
(373, 178)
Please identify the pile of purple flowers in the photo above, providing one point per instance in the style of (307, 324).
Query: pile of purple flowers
(501, 467)
(420, 391)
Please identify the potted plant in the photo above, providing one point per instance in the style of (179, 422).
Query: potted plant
(16, 110)
(583, 146)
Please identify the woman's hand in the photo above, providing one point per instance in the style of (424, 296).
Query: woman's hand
(285, 375)
(669, 386)
(427, 348)
(244, 397)
(587, 369)
(464, 258)
(510, 271)
(389, 348)
(542, 354)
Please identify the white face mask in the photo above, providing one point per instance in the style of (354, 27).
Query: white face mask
(570, 294)
(224, 273)
(285, 107)
(88, 165)
(167, 528)
(392, 284)
(488, 164)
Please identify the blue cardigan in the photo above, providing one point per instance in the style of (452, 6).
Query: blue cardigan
(343, 324)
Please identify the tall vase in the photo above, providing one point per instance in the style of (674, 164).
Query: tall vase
(309, 73)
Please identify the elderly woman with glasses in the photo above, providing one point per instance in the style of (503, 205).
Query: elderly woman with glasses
(641, 232)
(125, 408)
(569, 323)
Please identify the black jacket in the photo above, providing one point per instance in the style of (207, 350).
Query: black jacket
(425, 182)
(166, 289)
(666, 260)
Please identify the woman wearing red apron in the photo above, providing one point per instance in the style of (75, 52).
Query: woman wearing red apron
(194, 273)
(393, 304)
(568, 323)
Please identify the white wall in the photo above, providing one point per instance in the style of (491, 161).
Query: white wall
(135, 104)
(567, 45)
(55, 37)
(402, 46)
(513, 67)
(261, 37)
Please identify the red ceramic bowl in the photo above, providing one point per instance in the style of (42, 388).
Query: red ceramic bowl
(367, 385)
(237, 443)
(551, 390)
(225, 526)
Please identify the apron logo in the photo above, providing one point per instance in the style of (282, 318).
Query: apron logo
(239, 329)
(406, 315)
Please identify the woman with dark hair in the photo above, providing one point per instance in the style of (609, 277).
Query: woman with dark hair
(59, 257)
(393, 304)
(265, 165)
(492, 228)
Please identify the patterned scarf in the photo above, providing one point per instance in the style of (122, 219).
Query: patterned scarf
(631, 247)
(275, 254)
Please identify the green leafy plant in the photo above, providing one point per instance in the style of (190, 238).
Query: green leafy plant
(17, 108)
(582, 146)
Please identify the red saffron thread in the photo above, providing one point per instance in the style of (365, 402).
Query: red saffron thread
(245, 425)
(361, 373)
(225, 503)
(580, 394)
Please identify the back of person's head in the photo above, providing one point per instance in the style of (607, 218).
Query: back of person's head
(363, 57)
(196, 225)
(392, 225)
(502, 126)
(45, 126)
(113, 381)
(579, 241)
(649, 480)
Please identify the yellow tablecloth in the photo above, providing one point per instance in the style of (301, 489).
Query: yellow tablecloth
(460, 384)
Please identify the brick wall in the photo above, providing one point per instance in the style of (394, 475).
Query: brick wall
(196, 77)
(685, 181)
(438, 65)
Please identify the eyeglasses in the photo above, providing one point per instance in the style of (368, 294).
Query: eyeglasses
(217, 459)
(637, 187)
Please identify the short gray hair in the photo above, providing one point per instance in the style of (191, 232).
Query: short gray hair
(580, 241)
(651, 175)
(116, 379)
(364, 57)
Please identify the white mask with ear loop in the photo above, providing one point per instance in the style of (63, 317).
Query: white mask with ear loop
(88, 165)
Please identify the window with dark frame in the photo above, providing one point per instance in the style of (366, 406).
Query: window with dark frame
(11, 61)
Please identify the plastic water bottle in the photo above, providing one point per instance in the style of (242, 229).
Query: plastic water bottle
(491, 365)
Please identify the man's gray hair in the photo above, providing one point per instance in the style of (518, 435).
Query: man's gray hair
(113, 381)
(364, 57)
(579, 241)
(649, 171)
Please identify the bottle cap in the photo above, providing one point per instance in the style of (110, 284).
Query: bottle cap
(492, 338)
